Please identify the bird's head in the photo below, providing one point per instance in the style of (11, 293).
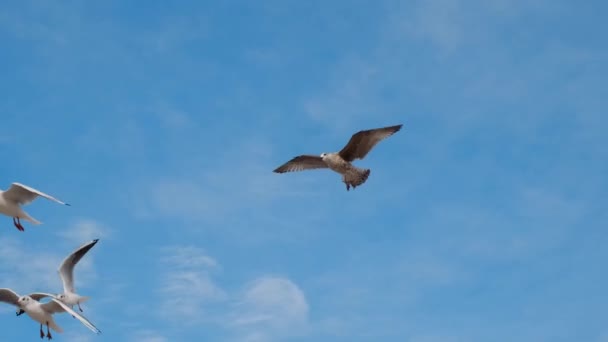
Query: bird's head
(60, 296)
(323, 155)
(23, 301)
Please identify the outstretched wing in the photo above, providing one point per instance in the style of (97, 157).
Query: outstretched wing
(50, 307)
(300, 163)
(69, 310)
(23, 194)
(362, 142)
(9, 296)
(66, 270)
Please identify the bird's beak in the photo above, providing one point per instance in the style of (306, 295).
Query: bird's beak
(20, 312)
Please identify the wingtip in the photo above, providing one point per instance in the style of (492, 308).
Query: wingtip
(95, 240)
(68, 204)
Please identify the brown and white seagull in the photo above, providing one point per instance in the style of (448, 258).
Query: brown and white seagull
(358, 147)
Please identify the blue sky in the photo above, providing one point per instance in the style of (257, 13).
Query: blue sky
(483, 219)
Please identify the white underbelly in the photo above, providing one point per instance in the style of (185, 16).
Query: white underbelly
(38, 315)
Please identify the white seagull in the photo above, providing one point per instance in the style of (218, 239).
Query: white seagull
(43, 313)
(66, 272)
(17, 195)
(357, 147)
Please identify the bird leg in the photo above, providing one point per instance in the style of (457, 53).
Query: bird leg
(17, 224)
(41, 332)
(48, 332)
(79, 308)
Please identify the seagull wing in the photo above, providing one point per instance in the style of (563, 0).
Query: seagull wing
(66, 270)
(300, 163)
(50, 307)
(69, 310)
(23, 194)
(362, 142)
(9, 296)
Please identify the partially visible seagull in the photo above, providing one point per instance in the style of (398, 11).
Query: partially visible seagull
(358, 147)
(43, 313)
(66, 272)
(17, 195)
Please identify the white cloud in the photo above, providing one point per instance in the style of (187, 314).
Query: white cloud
(271, 308)
(78, 337)
(25, 269)
(209, 196)
(187, 288)
(268, 308)
(84, 230)
(188, 257)
(28, 267)
(147, 336)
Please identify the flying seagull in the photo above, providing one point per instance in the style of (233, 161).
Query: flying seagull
(66, 272)
(43, 313)
(17, 195)
(358, 147)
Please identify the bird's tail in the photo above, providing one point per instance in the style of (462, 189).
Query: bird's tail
(54, 326)
(83, 299)
(356, 177)
(25, 216)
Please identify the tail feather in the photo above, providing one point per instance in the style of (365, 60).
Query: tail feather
(54, 326)
(356, 178)
(27, 217)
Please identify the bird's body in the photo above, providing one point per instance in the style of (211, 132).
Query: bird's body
(358, 147)
(71, 299)
(17, 195)
(12, 209)
(42, 312)
(351, 175)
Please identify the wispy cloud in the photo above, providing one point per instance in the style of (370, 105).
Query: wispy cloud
(26, 268)
(268, 308)
(84, 230)
(78, 337)
(271, 308)
(147, 336)
(242, 170)
(187, 287)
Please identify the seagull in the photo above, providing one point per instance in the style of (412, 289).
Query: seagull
(43, 313)
(358, 147)
(17, 195)
(66, 272)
